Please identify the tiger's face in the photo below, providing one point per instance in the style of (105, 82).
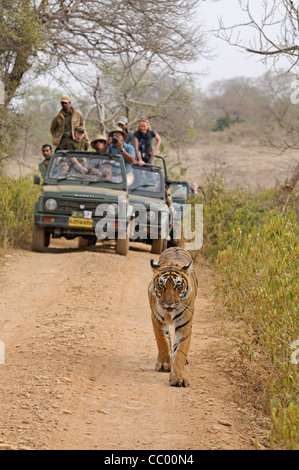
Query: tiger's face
(170, 288)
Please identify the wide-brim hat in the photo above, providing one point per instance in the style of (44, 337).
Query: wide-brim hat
(119, 130)
(97, 137)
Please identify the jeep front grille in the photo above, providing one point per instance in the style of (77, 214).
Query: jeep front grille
(67, 206)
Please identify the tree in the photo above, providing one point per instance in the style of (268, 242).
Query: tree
(275, 25)
(36, 112)
(75, 32)
(21, 38)
(275, 38)
(136, 90)
(238, 100)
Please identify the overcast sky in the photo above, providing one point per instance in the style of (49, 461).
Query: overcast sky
(229, 62)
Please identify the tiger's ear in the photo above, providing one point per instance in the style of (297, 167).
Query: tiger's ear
(188, 269)
(155, 266)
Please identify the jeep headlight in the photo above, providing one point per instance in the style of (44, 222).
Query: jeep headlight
(51, 204)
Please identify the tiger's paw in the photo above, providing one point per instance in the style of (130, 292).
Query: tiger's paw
(175, 381)
(163, 367)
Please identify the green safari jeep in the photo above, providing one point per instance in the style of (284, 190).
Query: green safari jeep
(85, 196)
(152, 222)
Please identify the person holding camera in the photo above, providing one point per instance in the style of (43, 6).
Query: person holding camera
(118, 146)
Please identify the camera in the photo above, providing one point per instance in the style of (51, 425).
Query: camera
(115, 140)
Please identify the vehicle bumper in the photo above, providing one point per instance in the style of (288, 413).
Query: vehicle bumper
(61, 225)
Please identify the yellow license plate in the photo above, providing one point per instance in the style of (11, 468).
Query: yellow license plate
(75, 222)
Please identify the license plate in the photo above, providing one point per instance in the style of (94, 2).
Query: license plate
(77, 222)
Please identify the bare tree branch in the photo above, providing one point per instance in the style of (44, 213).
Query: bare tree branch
(275, 30)
(76, 32)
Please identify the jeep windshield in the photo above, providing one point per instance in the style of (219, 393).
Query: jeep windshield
(86, 167)
(147, 181)
(179, 191)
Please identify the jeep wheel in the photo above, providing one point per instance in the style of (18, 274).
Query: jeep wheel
(92, 241)
(82, 242)
(39, 239)
(122, 246)
(47, 239)
(159, 245)
(85, 242)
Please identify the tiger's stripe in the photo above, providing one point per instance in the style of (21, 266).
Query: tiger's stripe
(172, 292)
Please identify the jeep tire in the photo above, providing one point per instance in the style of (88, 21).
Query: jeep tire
(122, 246)
(85, 242)
(40, 240)
(158, 245)
(82, 243)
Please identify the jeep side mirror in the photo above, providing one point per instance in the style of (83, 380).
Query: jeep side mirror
(37, 180)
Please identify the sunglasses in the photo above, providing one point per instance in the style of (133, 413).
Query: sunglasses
(101, 141)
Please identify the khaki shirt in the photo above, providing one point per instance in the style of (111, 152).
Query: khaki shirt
(58, 125)
(74, 145)
(67, 126)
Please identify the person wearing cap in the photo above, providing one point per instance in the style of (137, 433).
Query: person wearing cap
(100, 144)
(123, 124)
(64, 123)
(78, 142)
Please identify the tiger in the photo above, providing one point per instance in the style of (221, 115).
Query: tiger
(172, 292)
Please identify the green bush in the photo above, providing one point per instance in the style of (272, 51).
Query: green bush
(257, 258)
(17, 198)
(230, 215)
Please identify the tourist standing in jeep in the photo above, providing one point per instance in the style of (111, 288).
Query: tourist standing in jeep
(117, 145)
(78, 142)
(64, 124)
(143, 138)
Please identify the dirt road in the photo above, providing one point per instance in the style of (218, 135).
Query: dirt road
(80, 355)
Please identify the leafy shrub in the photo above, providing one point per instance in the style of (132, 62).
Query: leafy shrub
(17, 198)
(231, 214)
(256, 251)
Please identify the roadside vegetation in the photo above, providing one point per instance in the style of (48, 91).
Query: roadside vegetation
(256, 253)
(17, 196)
